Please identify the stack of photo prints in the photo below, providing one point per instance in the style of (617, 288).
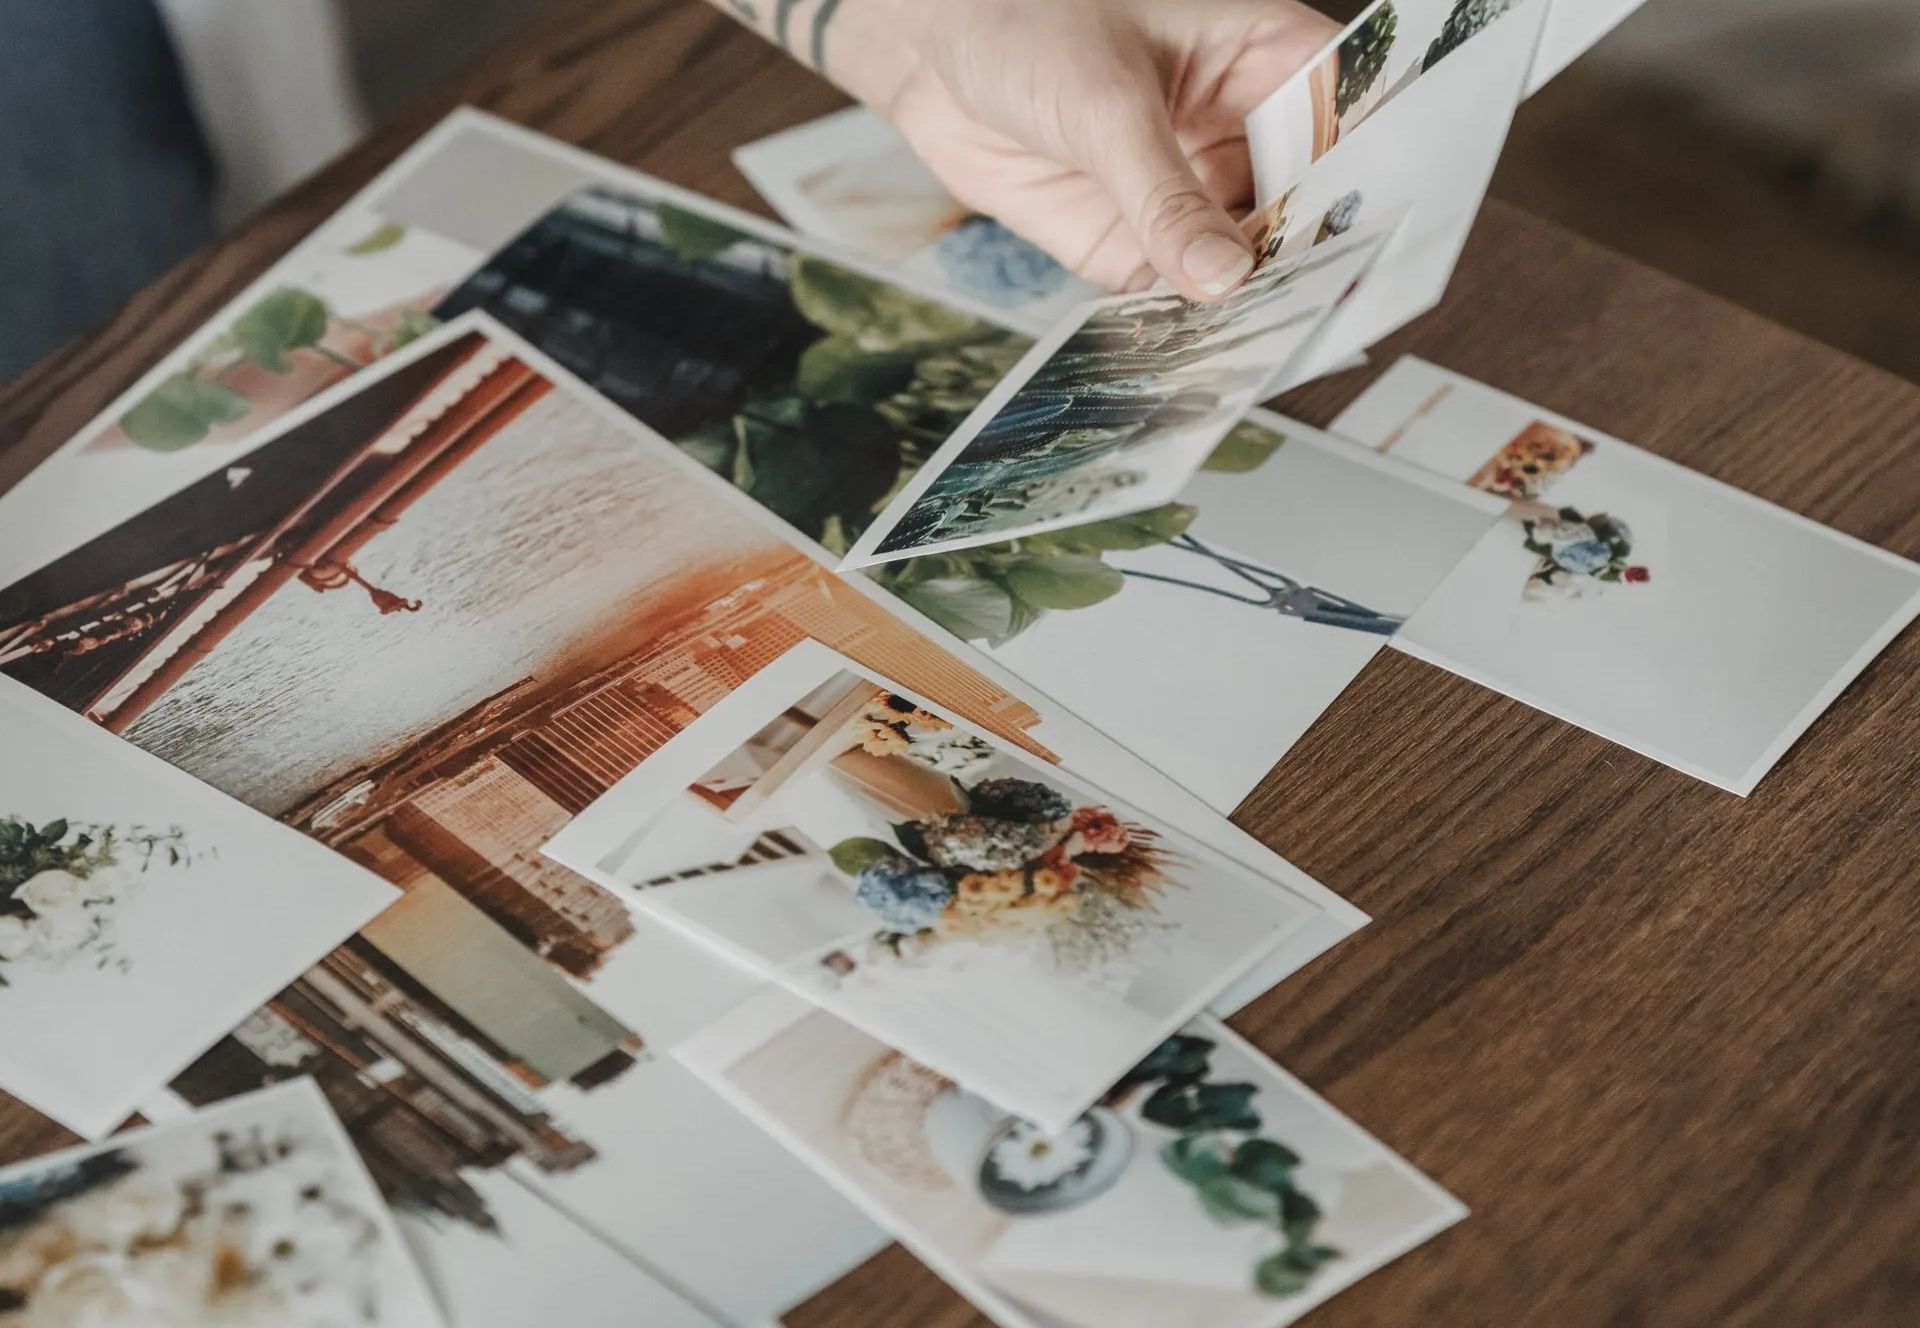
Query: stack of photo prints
(577, 748)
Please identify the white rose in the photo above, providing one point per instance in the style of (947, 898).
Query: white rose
(56, 935)
(16, 938)
(125, 1213)
(52, 892)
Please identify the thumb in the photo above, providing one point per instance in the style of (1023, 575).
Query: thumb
(1186, 235)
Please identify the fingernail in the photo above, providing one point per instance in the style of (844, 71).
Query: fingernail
(1216, 264)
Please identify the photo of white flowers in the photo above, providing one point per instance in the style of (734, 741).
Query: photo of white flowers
(142, 914)
(993, 917)
(1116, 409)
(1206, 1187)
(252, 1214)
(851, 178)
(1627, 594)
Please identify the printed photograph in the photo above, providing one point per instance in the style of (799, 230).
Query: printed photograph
(1113, 413)
(425, 629)
(929, 883)
(1629, 595)
(848, 382)
(1425, 152)
(252, 1214)
(1206, 1187)
(844, 389)
(142, 914)
(1208, 635)
(1380, 55)
(849, 177)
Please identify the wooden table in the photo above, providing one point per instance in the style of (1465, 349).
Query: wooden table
(1666, 1043)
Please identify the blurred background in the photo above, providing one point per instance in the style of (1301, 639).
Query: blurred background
(1763, 150)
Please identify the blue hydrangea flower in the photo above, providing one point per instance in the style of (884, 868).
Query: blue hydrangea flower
(988, 261)
(906, 896)
(1584, 556)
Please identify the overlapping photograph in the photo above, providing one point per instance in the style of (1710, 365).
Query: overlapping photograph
(1694, 623)
(1206, 1188)
(1406, 117)
(937, 887)
(142, 914)
(252, 1214)
(1114, 412)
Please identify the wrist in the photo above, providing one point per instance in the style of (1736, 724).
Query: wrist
(871, 49)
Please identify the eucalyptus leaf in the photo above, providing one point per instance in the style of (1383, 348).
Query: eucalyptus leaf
(1228, 1199)
(838, 368)
(854, 856)
(1063, 581)
(872, 313)
(1136, 530)
(693, 236)
(971, 607)
(378, 240)
(1276, 1276)
(806, 463)
(414, 324)
(182, 411)
(1247, 447)
(713, 446)
(1268, 1164)
(287, 320)
(1194, 1158)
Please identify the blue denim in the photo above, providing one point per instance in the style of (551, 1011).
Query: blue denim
(105, 181)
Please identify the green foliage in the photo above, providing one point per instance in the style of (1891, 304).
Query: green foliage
(693, 236)
(287, 320)
(182, 411)
(1238, 1175)
(414, 324)
(1247, 448)
(378, 240)
(1363, 57)
(873, 314)
(808, 462)
(1466, 20)
(854, 856)
(995, 592)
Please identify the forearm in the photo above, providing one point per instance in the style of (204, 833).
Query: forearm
(867, 47)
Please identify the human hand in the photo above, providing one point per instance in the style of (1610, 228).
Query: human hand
(1111, 133)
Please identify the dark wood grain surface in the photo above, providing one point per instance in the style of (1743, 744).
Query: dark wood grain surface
(1665, 1042)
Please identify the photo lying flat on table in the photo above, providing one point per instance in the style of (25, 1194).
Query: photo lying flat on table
(1208, 1188)
(1208, 635)
(142, 914)
(1666, 611)
(1114, 411)
(851, 178)
(993, 917)
(252, 1214)
(1412, 124)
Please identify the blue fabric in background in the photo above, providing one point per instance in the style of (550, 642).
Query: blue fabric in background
(105, 182)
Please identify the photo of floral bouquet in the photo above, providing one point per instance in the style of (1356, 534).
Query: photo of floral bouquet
(1580, 555)
(1019, 859)
(60, 881)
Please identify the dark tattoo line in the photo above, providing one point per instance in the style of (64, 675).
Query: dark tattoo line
(782, 20)
(821, 18)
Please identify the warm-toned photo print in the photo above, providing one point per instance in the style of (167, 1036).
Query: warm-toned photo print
(934, 885)
(1629, 595)
(425, 628)
(1115, 410)
(851, 178)
(142, 914)
(1206, 1187)
(252, 1214)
